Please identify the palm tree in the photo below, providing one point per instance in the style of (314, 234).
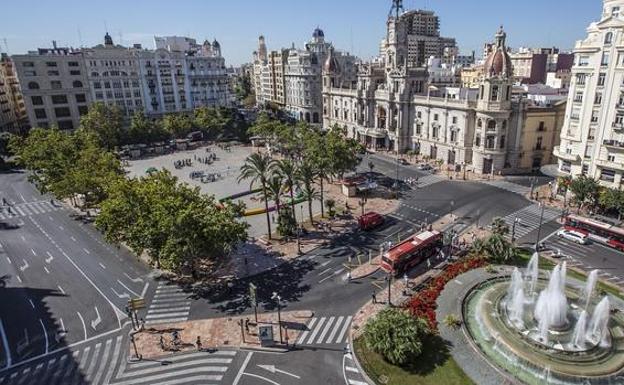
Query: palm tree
(306, 175)
(322, 173)
(275, 190)
(258, 168)
(500, 227)
(287, 171)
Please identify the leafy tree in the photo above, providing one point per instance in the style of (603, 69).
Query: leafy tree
(178, 125)
(396, 335)
(258, 168)
(275, 190)
(498, 249)
(212, 121)
(342, 153)
(499, 227)
(287, 170)
(5, 138)
(173, 223)
(586, 191)
(331, 207)
(306, 176)
(286, 224)
(106, 122)
(612, 200)
(145, 130)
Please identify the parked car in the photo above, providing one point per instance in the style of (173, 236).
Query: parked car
(8, 226)
(370, 221)
(574, 236)
(425, 167)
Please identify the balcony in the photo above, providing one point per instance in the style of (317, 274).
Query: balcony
(613, 144)
(618, 125)
(562, 155)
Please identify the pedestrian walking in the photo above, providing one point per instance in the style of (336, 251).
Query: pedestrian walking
(247, 325)
(199, 344)
(349, 276)
(162, 343)
(374, 296)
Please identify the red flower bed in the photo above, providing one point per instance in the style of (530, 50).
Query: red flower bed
(423, 304)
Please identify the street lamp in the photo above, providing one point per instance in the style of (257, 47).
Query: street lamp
(362, 204)
(452, 207)
(279, 314)
(389, 288)
(513, 230)
(299, 231)
(539, 229)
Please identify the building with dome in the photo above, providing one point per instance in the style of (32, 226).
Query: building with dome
(592, 138)
(291, 78)
(392, 106)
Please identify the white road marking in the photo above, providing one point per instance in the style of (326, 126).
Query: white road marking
(73, 239)
(242, 369)
(102, 266)
(31, 303)
(61, 228)
(97, 320)
(61, 290)
(46, 270)
(344, 329)
(84, 326)
(144, 291)
(127, 288)
(86, 251)
(325, 329)
(351, 369)
(170, 309)
(33, 251)
(50, 257)
(5, 343)
(26, 265)
(124, 295)
(62, 325)
(273, 369)
(9, 260)
(23, 239)
(307, 331)
(335, 329)
(22, 197)
(354, 382)
(135, 280)
(45, 334)
(316, 330)
(324, 272)
(19, 278)
(262, 378)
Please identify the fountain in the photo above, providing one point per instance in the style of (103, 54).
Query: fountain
(545, 327)
(588, 290)
(580, 332)
(599, 322)
(533, 273)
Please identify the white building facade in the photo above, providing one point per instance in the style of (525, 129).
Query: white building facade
(592, 138)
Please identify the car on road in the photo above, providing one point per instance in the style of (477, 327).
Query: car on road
(8, 226)
(574, 236)
(425, 167)
(370, 221)
(404, 162)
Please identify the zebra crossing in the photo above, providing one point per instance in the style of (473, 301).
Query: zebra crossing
(104, 362)
(509, 186)
(428, 180)
(351, 372)
(529, 219)
(170, 304)
(27, 209)
(326, 331)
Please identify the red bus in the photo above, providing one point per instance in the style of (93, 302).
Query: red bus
(409, 253)
(370, 221)
(602, 232)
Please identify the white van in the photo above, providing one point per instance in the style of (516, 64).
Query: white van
(574, 236)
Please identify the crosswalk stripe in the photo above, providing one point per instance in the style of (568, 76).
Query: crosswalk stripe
(111, 368)
(169, 304)
(335, 330)
(19, 211)
(165, 310)
(152, 379)
(80, 367)
(354, 382)
(344, 329)
(103, 361)
(203, 363)
(307, 331)
(165, 321)
(94, 360)
(316, 330)
(166, 315)
(325, 329)
(351, 369)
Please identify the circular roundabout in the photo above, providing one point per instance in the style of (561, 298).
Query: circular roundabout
(536, 327)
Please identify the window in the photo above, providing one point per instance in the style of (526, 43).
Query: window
(608, 38)
(494, 93)
(66, 125)
(83, 110)
(418, 128)
(95, 74)
(74, 73)
(615, 11)
(419, 115)
(99, 95)
(454, 119)
(479, 123)
(73, 64)
(37, 100)
(502, 141)
(538, 144)
(489, 142)
(59, 99)
(40, 113)
(584, 169)
(77, 84)
(581, 79)
(607, 175)
(598, 98)
(106, 84)
(28, 64)
(601, 79)
(62, 112)
(478, 141)
(33, 86)
(56, 84)
(97, 85)
(583, 61)
(51, 64)
(594, 116)
(541, 127)
(436, 117)
(81, 98)
(611, 158)
(53, 73)
(491, 125)
(30, 73)
(605, 59)
(578, 97)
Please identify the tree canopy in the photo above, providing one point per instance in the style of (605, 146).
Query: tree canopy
(106, 122)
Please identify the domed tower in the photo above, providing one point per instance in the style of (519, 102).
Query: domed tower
(331, 71)
(207, 48)
(318, 36)
(216, 48)
(262, 49)
(108, 40)
(492, 124)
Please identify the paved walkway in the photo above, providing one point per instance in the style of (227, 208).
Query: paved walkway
(218, 333)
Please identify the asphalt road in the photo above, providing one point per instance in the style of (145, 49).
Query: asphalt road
(68, 272)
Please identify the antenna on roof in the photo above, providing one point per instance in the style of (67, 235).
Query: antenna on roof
(6, 45)
(79, 37)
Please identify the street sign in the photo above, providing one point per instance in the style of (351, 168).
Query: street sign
(136, 303)
(265, 334)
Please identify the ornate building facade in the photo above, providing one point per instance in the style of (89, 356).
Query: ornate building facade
(392, 106)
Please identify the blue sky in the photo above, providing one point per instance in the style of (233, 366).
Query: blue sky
(353, 25)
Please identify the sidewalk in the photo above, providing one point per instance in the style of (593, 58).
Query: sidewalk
(219, 333)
